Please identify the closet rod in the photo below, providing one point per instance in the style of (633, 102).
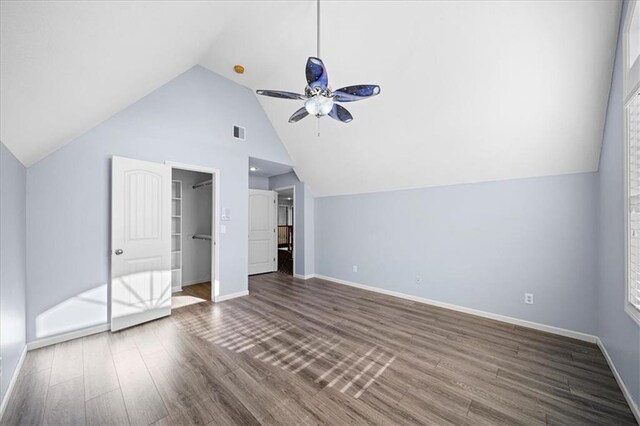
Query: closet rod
(202, 237)
(201, 184)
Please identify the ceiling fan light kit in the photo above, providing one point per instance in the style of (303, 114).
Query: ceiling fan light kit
(319, 99)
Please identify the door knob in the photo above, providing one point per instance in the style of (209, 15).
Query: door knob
(119, 252)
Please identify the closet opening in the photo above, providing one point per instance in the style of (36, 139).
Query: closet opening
(193, 235)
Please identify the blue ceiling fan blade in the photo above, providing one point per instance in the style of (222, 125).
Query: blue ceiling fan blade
(340, 113)
(356, 93)
(280, 94)
(316, 74)
(298, 115)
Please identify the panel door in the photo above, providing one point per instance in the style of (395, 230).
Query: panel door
(262, 231)
(140, 242)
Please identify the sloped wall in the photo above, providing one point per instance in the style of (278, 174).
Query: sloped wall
(189, 120)
(13, 274)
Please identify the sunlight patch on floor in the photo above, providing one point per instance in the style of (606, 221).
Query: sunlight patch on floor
(182, 301)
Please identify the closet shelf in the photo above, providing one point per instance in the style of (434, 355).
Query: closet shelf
(202, 237)
(176, 235)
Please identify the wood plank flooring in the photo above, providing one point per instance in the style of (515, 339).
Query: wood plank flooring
(314, 352)
(202, 291)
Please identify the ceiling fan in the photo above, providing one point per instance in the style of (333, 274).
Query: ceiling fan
(319, 99)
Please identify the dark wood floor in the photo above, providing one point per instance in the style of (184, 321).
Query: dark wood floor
(315, 352)
(201, 291)
(285, 261)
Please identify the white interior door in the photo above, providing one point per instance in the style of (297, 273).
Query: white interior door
(262, 231)
(140, 242)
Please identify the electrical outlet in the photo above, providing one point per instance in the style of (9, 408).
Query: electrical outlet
(528, 298)
(355, 268)
(418, 280)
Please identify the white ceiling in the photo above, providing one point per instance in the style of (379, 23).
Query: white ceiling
(67, 66)
(471, 91)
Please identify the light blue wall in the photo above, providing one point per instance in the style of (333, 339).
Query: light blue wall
(291, 179)
(189, 120)
(258, 182)
(481, 246)
(619, 333)
(13, 274)
(309, 232)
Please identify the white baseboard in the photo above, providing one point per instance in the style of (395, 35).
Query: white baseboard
(625, 391)
(523, 323)
(304, 277)
(188, 283)
(59, 338)
(194, 282)
(231, 296)
(12, 383)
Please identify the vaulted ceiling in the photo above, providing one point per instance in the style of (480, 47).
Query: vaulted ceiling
(471, 91)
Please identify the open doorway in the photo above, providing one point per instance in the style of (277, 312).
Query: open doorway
(286, 202)
(193, 236)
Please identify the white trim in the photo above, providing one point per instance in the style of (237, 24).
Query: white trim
(306, 277)
(48, 341)
(215, 220)
(231, 296)
(12, 383)
(630, 76)
(295, 224)
(177, 289)
(630, 89)
(194, 282)
(629, 308)
(523, 323)
(625, 391)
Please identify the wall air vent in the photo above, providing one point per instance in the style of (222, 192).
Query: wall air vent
(239, 132)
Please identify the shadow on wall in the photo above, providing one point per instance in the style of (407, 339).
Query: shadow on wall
(133, 294)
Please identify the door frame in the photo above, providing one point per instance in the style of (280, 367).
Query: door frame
(295, 223)
(274, 212)
(215, 221)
